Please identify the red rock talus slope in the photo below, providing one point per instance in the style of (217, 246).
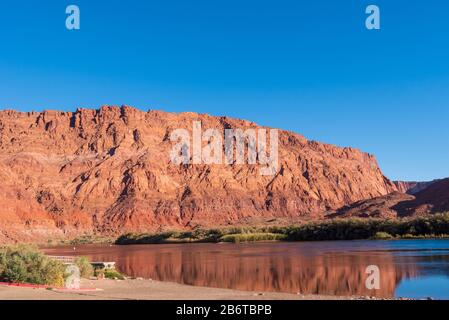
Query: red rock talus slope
(433, 199)
(412, 187)
(109, 170)
(383, 207)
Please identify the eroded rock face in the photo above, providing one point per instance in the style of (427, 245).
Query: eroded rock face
(109, 171)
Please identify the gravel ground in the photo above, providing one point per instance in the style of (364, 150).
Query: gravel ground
(135, 289)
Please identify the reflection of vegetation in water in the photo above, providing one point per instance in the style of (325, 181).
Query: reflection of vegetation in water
(431, 262)
(435, 226)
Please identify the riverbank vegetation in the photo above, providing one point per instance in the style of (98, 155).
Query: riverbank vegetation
(26, 264)
(80, 240)
(109, 274)
(230, 234)
(246, 237)
(435, 226)
(85, 267)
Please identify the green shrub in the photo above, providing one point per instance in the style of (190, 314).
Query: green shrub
(353, 229)
(144, 238)
(26, 264)
(383, 236)
(436, 225)
(86, 269)
(247, 237)
(113, 274)
(109, 274)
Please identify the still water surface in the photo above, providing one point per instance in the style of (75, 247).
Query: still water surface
(408, 268)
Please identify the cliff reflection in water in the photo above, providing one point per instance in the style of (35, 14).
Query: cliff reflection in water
(310, 268)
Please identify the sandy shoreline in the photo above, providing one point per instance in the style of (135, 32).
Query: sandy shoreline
(135, 289)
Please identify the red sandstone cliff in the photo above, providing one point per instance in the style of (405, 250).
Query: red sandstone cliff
(109, 170)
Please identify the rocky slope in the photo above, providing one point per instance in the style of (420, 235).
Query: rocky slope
(382, 207)
(412, 187)
(433, 199)
(109, 171)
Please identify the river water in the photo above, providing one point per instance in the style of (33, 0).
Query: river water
(407, 268)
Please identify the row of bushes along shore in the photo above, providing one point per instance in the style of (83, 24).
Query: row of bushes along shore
(435, 226)
(27, 264)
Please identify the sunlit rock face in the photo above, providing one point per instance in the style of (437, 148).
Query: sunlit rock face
(109, 171)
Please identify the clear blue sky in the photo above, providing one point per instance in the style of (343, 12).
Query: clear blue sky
(306, 66)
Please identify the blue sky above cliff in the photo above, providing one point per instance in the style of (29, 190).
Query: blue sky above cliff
(307, 66)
